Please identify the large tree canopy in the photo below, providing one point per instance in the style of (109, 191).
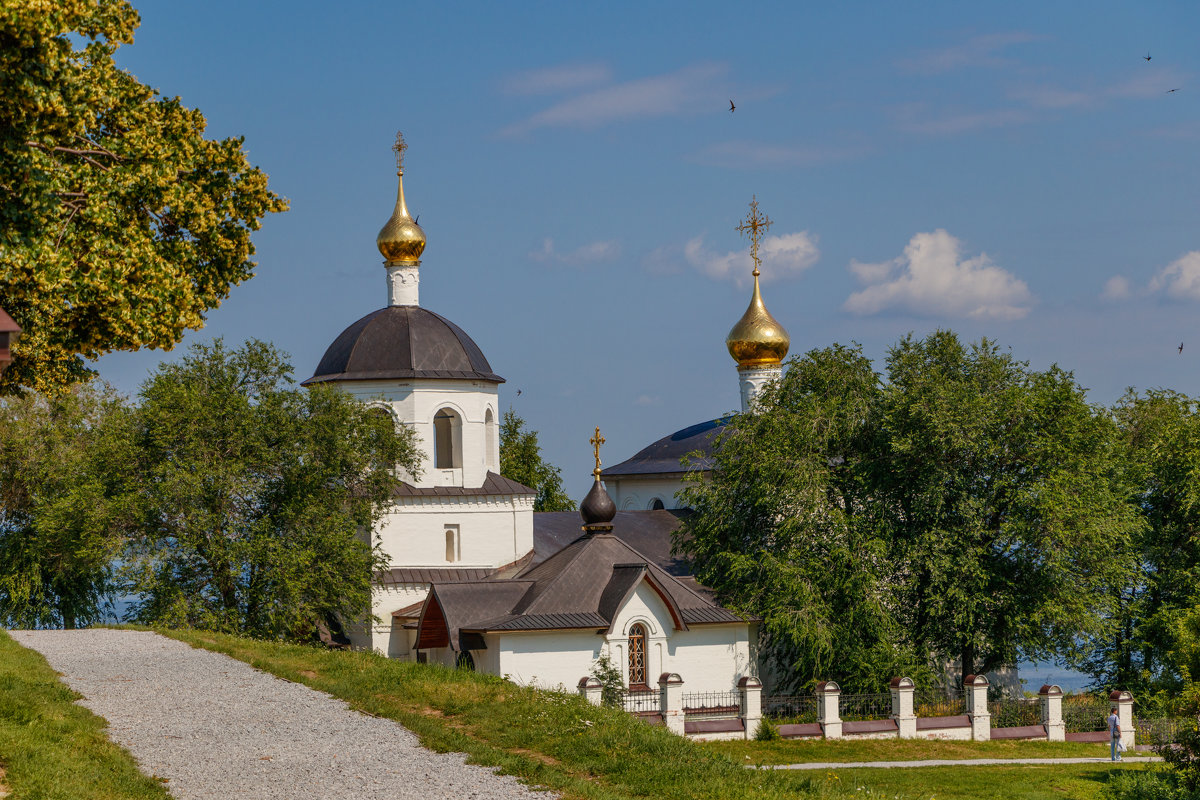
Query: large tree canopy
(120, 224)
(1155, 640)
(964, 508)
(58, 515)
(1002, 491)
(255, 499)
(778, 528)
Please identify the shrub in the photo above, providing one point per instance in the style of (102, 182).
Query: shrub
(766, 732)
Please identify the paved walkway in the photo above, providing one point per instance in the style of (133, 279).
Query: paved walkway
(955, 762)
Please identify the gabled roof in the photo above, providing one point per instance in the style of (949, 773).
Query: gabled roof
(648, 532)
(583, 586)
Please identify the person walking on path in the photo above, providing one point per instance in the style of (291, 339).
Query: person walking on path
(1114, 734)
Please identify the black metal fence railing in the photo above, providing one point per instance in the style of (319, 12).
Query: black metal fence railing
(1163, 730)
(939, 703)
(1015, 712)
(640, 702)
(1084, 713)
(790, 709)
(712, 705)
(857, 707)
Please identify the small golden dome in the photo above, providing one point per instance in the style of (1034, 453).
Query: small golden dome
(401, 241)
(757, 339)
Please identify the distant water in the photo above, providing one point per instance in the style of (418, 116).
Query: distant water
(1034, 675)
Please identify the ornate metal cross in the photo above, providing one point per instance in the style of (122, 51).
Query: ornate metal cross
(595, 442)
(756, 225)
(399, 147)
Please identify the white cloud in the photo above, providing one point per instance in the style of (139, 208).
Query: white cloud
(1181, 278)
(978, 51)
(917, 118)
(931, 279)
(761, 154)
(689, 90)
(584, 254)
(782, 257)
(1117, 288)
(561, 78)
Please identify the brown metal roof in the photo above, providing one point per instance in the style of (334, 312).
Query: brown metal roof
(584, 585)
(403, 342)
(400, 575)
(665, 457)
(648, 532)
(493, 484)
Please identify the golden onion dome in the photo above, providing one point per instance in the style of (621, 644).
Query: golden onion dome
(757, 339)
(401, 240)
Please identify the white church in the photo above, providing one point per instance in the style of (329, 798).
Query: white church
(476, 577)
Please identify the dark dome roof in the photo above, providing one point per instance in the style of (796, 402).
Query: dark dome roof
(403, 342)
(664, 455)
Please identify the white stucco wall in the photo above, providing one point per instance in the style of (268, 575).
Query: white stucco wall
(637, 494)
(415, 402)
(707, 657)
(493, 530)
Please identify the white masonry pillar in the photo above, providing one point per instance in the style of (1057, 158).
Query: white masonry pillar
(1124, 702)
(1052, 718)
(829, 712)
(402, 283)
(976, 689)
(751, 381)
(902, 707)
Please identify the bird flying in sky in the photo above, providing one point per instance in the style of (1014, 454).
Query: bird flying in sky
(1181, 347)
(731, 106)
(1146, 57)
(1171, 90)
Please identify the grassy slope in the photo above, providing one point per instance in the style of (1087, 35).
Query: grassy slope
(583, 751)
(820, 750)
(52, 748)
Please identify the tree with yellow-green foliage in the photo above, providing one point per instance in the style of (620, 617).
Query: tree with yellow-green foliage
(120, 224)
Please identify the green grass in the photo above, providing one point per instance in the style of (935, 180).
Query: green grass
(53, 749)
(559, 742)
(800, 751)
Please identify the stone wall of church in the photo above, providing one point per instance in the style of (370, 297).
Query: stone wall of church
(457, 532)
(639, 494)
(475, 408)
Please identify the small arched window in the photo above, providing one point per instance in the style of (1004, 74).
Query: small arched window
(453, 545)
(489, 424)
(445, 430)
(656, 504)
(637, 655)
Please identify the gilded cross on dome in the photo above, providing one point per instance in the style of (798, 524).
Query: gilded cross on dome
(595, 442)
(399, 147)
(756, 225)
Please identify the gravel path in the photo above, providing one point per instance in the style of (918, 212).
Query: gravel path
(217, 728)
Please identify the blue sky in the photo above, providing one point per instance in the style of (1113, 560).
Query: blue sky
(1011, 170)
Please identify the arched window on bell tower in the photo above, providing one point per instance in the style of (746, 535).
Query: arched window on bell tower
(489, 424)
(447, 444)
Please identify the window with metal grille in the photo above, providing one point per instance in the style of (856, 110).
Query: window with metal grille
(637, 655)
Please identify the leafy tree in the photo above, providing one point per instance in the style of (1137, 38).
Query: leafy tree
(120, 224)
(254, 498)
(779, 528)
(521, 461)
(56, 507)
(1002, 492)
(1155, 643)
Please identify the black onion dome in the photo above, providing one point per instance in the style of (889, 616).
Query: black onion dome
(403, 342)
(597, 508)
(665, 455)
